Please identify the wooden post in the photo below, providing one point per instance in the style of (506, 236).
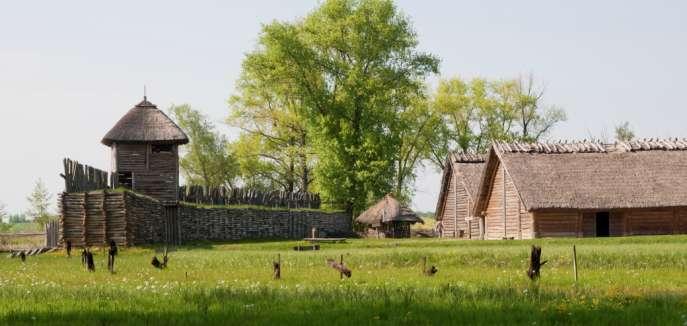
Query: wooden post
(424, 264)
(341, 271)
(575, 263)
(277, 267)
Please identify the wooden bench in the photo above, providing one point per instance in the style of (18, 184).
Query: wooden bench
(325, 240)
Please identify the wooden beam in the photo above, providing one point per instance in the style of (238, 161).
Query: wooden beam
(505, 233)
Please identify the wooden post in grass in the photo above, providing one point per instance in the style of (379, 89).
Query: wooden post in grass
(428, 271)
(277, 267)
(575, 263)
(341, 270)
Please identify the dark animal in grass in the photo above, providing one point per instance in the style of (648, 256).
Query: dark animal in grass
(339, 267)
(111, 253)
(90, 263)
(161, 265)
(69, 248)
(535, 263)
(22, 255)
(84, 254)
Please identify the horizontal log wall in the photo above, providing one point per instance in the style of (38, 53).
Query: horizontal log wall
(644, 221)
(221, 224)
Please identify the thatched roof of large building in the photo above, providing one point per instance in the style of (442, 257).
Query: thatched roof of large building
(469, 168)
(145, 123)
(591, 175)
(389, 209)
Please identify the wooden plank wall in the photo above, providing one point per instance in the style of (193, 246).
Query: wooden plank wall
(448, 214)
(154, 174)
(518, 222)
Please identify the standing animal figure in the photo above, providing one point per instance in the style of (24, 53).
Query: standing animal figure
(69, 248)
(535, 263)
(84, 254)
(111, 256)
(161, 265)
(87, 259)
(339, 266)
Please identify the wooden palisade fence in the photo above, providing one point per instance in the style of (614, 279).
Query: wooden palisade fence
(80, 178)
(242, 196)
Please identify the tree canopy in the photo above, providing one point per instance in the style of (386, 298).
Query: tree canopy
(39, 204)
(479, 111)
(207, 160)
(348, 68)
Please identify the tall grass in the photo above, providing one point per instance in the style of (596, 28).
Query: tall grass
(638, 280)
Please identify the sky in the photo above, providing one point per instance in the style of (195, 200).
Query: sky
(70, 69)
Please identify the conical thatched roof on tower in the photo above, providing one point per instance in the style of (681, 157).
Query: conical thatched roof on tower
(145, 123)
(389, 209)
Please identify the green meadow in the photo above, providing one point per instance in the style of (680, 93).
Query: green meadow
(633, 280)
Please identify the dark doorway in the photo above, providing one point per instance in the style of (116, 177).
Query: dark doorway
(602, 224)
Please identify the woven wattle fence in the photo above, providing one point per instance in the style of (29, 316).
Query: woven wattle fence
(80, 178)
(241, 196)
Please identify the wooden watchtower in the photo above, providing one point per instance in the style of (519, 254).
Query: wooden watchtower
(145, 153)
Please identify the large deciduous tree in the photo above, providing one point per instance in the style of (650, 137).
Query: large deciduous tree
(350, 67)
(207, 160)
(274, 148)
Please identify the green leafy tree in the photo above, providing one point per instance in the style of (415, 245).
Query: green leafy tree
(4, 226)
(419, 129)
(3, 211)
(351, 65)
(39, 204)
(274, 149)
(480, 111)
(623, 132)
(207, 159)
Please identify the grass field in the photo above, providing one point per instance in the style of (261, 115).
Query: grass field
(637, 280)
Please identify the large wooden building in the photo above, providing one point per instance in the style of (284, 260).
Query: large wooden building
(145, 153)
(582, 189)
(459, 184)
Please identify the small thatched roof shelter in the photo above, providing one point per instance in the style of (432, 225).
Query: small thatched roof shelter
(389, 218)
(388, 210)
(145, 123)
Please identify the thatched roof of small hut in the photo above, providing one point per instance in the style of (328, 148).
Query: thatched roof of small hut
(591, 175)
(145, 123)
(389, 209)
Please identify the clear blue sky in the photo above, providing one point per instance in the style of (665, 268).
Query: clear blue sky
(70, 69)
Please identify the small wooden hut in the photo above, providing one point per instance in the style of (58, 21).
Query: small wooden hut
(388, 219)
(145, 155)
(584, 189)
(459, 184)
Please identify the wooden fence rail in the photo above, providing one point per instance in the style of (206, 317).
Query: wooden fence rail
(80, 178)
(242, 196)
